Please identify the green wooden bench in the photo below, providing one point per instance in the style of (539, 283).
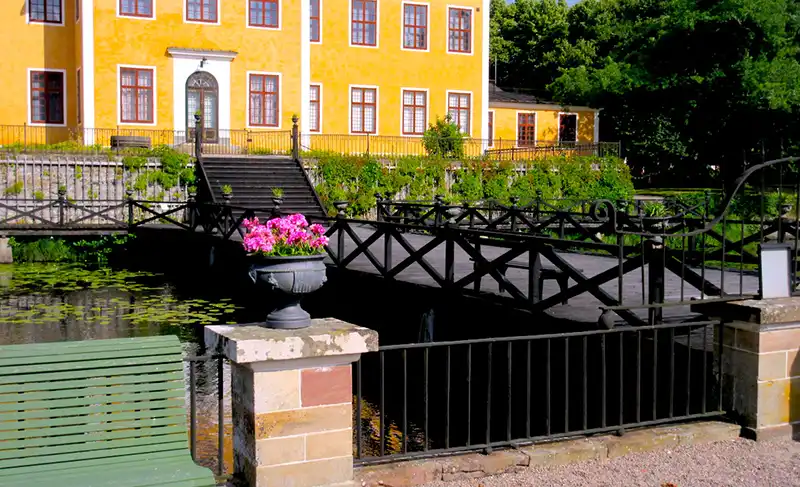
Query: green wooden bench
(95, 413)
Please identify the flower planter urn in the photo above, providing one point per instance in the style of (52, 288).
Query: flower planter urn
(291, 278)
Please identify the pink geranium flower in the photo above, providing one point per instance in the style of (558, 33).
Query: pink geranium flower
(291, 235)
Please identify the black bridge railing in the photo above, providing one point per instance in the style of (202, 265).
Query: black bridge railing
(428, 399)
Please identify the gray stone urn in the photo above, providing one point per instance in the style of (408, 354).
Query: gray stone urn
(290, 278)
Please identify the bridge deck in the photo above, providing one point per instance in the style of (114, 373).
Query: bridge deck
(583, 308)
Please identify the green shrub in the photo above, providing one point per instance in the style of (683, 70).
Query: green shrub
(443, 139)
(38, 196)
(15, 189)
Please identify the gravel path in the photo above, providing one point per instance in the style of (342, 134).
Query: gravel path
(736, 463)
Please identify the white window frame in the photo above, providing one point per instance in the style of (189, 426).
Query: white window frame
(577, 125)
(319, 115)
(280, 101)
(350, 109)
(471, 106)
(247, 20)
(471, 30)
(350, 29)
(41, 22)
(135, 17)
(427, 26)
(63, 100)
(120, 67)
(427, 111)
(199, 22)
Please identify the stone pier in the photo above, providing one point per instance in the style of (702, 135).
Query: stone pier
(292, 401)
(6, 256)
(760, 364)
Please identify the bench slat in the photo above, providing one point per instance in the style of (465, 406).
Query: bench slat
(91, 382)
(95, 401)
(109, 408)
(78, 356)
(47, 431)
(173, 412)
(13, 451)
(22, 350)
(88, 465)
(91, 364)
(92, 391)
(91, 373)
(94, 454)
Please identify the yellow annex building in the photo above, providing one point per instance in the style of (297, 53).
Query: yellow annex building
(344, 67)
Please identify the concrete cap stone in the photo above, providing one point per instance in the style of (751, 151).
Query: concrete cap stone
(755, 311)
(326, 337)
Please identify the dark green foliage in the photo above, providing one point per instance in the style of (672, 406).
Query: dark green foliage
(91, 251)
(685, 86)
(357, 179)
(443, 139)
(175, 167)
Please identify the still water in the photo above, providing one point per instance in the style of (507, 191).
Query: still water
(42, 303)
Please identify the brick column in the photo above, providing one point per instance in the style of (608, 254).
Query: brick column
(292, 401)
(760, 364)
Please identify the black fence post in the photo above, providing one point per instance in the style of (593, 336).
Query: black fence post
(62, 202)
(129, 194)
(198, 136)
(514, 200)
(341, 208)
(438, 201)
(295, 138)
(656, 279)
(379, 207)
(191, 203)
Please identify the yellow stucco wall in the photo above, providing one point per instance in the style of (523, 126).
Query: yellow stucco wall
(337, 66)
(505, 125)
(128, 41)
(33, 46)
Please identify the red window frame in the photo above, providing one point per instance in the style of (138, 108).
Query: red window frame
(264, 4)
(363, 24)
(315, 96)
(414, 27)
(264, 95)
(315, 32)
(46, 91)
(462, 33)
(79, 96)
(135, 12)
(363, 106)
(526, 129)
(459, 109)
(136, 87)
(202, 14)
(413, 106)
(491, 128)
(44, 19)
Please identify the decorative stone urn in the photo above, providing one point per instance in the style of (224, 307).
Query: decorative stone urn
(291, 278)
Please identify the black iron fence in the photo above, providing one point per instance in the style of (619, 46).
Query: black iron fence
(33, 139)
(428, 399)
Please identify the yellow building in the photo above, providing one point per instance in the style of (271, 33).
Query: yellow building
(380, 67)
(518, 120)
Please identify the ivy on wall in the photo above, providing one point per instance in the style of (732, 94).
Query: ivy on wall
(356, 179)
(175, 168)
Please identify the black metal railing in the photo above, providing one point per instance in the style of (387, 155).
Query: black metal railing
(428, 399)
(207, 412)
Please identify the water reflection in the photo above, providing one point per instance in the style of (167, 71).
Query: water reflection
(42, 303)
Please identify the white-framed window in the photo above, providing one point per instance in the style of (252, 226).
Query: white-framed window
(137, 8)
(363, 110)
(137, 95)
(315, 108)
(567, 128)
(526, 129)
(47, 96)
(459, 30)
(264, 13)
(415, 111)
(264, 100)
(415, 26)
(364, 23)
(459, 107)
(204, 11)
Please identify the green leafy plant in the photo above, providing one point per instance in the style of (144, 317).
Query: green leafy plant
(444, 139)
(15, 189)
(277, 192)
(226, 189)
(38, 196)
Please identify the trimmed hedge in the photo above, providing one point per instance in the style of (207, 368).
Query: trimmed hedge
(357, 179)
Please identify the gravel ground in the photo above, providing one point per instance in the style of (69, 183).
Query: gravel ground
(731, 463)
